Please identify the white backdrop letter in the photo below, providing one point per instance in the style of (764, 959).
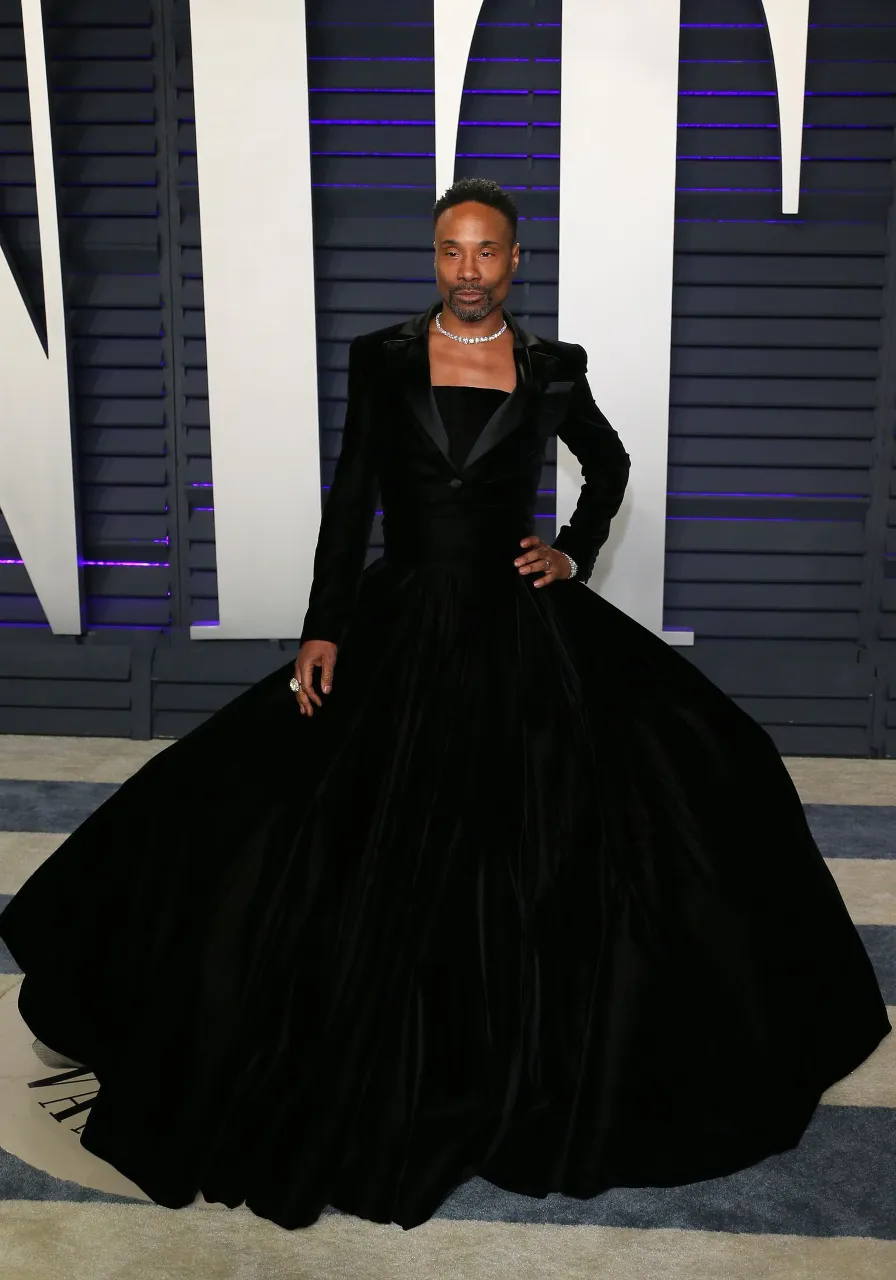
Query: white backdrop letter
(454, 26)
(617, 226)
(251, 83)
(788, 29)
(36, 462)
(617, 230)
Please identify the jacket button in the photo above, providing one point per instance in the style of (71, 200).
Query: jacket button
(455, 483)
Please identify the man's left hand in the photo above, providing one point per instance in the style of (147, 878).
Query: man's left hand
(541, 557)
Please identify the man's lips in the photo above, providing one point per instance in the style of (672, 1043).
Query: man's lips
(469, 293)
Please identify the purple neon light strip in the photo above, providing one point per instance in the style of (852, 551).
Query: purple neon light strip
(96, 626)
(553, 186)
(486, 155)
(674, 493)
(343, 57)
(685, 26)
(555, 93)
(111, 564)
(555, 124)
(767, 497)
(762, 520)
(555, 155)
(696, 62)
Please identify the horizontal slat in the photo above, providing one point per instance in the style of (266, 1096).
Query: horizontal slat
(124, 499)
(99, 323)
(359, 74)
(383, 40)
(338, 12)
(765, 333)
(742, 451)
(132, 383)
(835, 206)
(135, 529)
(817, 143)
(844, 42)
(134, 470)
(121, 442)
(817, 713)
(760, 422)
(776, 272)
(781, 237)
(817, 176)
(74, 722)
(773, 568)
(785, 597)
(765, 300)
(52, 695)
(115, 202)
(783, 669)
(126, 353)
(742, 12)
(782, 392)
(813, 740)
(756, 479)
(821, 112)
(758, 77)
(94, 411)
(722, 361)
(723, 623)
(747, 536)
(98, 13)
(63, 659)
(81, 42)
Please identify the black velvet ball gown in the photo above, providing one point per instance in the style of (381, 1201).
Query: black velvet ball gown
(529, 897)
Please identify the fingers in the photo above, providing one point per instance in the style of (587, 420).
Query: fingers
(537, 560)
(301, 696)
(304, 672)
(308, 691)
(313, 653)
(533, 556)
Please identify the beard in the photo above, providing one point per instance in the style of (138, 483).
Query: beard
(471, 310)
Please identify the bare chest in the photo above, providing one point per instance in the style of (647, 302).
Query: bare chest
(484, 364)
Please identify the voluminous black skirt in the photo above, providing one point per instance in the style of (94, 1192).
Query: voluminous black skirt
(528, 898)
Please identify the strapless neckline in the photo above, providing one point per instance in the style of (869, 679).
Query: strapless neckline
(465, 411)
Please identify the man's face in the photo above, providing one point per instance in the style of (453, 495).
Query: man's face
(475, 259)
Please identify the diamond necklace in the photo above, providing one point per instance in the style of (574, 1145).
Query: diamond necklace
(455, 337)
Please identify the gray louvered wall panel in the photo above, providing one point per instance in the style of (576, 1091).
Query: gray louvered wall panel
(776, 432)
(781, 427)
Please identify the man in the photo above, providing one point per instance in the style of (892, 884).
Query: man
(468, 341)
(504, 908)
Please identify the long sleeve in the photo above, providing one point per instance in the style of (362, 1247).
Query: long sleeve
(346, 520)
(605, 470)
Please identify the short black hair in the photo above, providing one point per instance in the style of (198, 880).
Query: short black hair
(483, 191)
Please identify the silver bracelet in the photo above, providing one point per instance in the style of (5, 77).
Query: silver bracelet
(573, 567)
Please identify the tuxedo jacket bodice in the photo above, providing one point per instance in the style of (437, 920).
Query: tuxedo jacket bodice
(474, 514)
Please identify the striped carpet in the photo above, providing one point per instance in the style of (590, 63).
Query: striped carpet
(825, 1211)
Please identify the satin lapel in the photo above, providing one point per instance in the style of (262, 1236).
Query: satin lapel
(533, 368)
(408, 354)
(409, 362)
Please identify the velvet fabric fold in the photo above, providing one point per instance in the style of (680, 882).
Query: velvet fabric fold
(529, 897)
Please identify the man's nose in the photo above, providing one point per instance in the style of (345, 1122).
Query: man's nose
(468, 270)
